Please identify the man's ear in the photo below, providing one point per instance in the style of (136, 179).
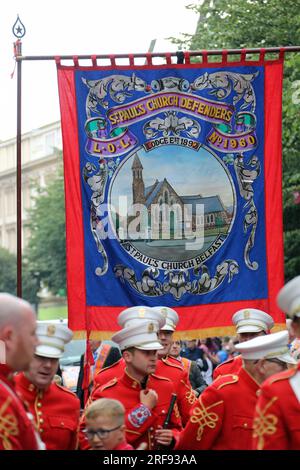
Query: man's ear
(7, 333)
(261, 366)
(127, 356)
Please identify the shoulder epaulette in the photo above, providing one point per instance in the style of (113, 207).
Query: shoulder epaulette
(65, 389)
(175, 361)
(228, 361)
(160, 377)
(109, 384)
(223, 380)
(282, 375)
(109, 367)
(171, 364)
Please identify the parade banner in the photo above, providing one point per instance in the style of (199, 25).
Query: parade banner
(173, 191)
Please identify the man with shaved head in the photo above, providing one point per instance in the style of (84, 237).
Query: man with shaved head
(17, 334)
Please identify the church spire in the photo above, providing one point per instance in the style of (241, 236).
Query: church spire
(138, 187)
(136, 163)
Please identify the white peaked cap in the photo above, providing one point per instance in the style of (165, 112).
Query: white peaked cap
(288, 298)
(170, 315)
(270, 346)
(141, 336)
(134, 315)
(52, 339)
(252, 320)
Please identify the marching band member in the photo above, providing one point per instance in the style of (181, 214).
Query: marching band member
(55, 408)
(222, 418)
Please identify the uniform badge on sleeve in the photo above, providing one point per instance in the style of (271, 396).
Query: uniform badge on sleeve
(139, 415)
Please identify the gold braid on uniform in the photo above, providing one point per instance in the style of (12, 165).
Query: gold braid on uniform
(191, 396)
(176, 411)
(264, 424)
(39, 396)
(202, 416)
(8, 425)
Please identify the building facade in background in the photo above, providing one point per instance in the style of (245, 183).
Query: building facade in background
(40, 157)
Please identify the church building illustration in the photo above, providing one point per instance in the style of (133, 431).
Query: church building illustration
(161, 194)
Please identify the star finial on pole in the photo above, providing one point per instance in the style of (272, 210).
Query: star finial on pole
(18, 29)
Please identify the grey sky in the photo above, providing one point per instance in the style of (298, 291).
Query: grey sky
(72, 27)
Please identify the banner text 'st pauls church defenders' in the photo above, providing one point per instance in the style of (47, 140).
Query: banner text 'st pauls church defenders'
(173, 191)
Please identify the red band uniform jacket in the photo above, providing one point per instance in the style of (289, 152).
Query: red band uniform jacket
(232, 366)
(140, 422)
(169, 368)
(222, 417)
(16, 429)
(56, 412)
(277, 415)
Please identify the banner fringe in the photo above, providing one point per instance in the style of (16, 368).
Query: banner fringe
(207, 58)
(183, 335)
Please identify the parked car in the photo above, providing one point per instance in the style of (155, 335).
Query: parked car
(70, 363)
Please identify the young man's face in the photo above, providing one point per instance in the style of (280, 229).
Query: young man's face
(175, 349)
(165, 338)
(109, 434)
(247, 336)
(141, 363)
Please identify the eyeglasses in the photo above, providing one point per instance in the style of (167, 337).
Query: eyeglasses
(100, 433)
(277, 361)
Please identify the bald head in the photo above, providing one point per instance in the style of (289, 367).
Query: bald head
(11, 309)
(17, 331)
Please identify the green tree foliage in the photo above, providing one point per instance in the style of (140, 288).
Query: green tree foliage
(255, 24)
(291, 166)
(8, 271)
(244, 23)
(46, 254)
(8, 277)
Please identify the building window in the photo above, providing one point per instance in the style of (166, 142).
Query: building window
(37, 147)
(26, 197)
(49, 143)
(11, 240)
(26, 236)
(10, 202)
(166, 197)
(200, 220)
